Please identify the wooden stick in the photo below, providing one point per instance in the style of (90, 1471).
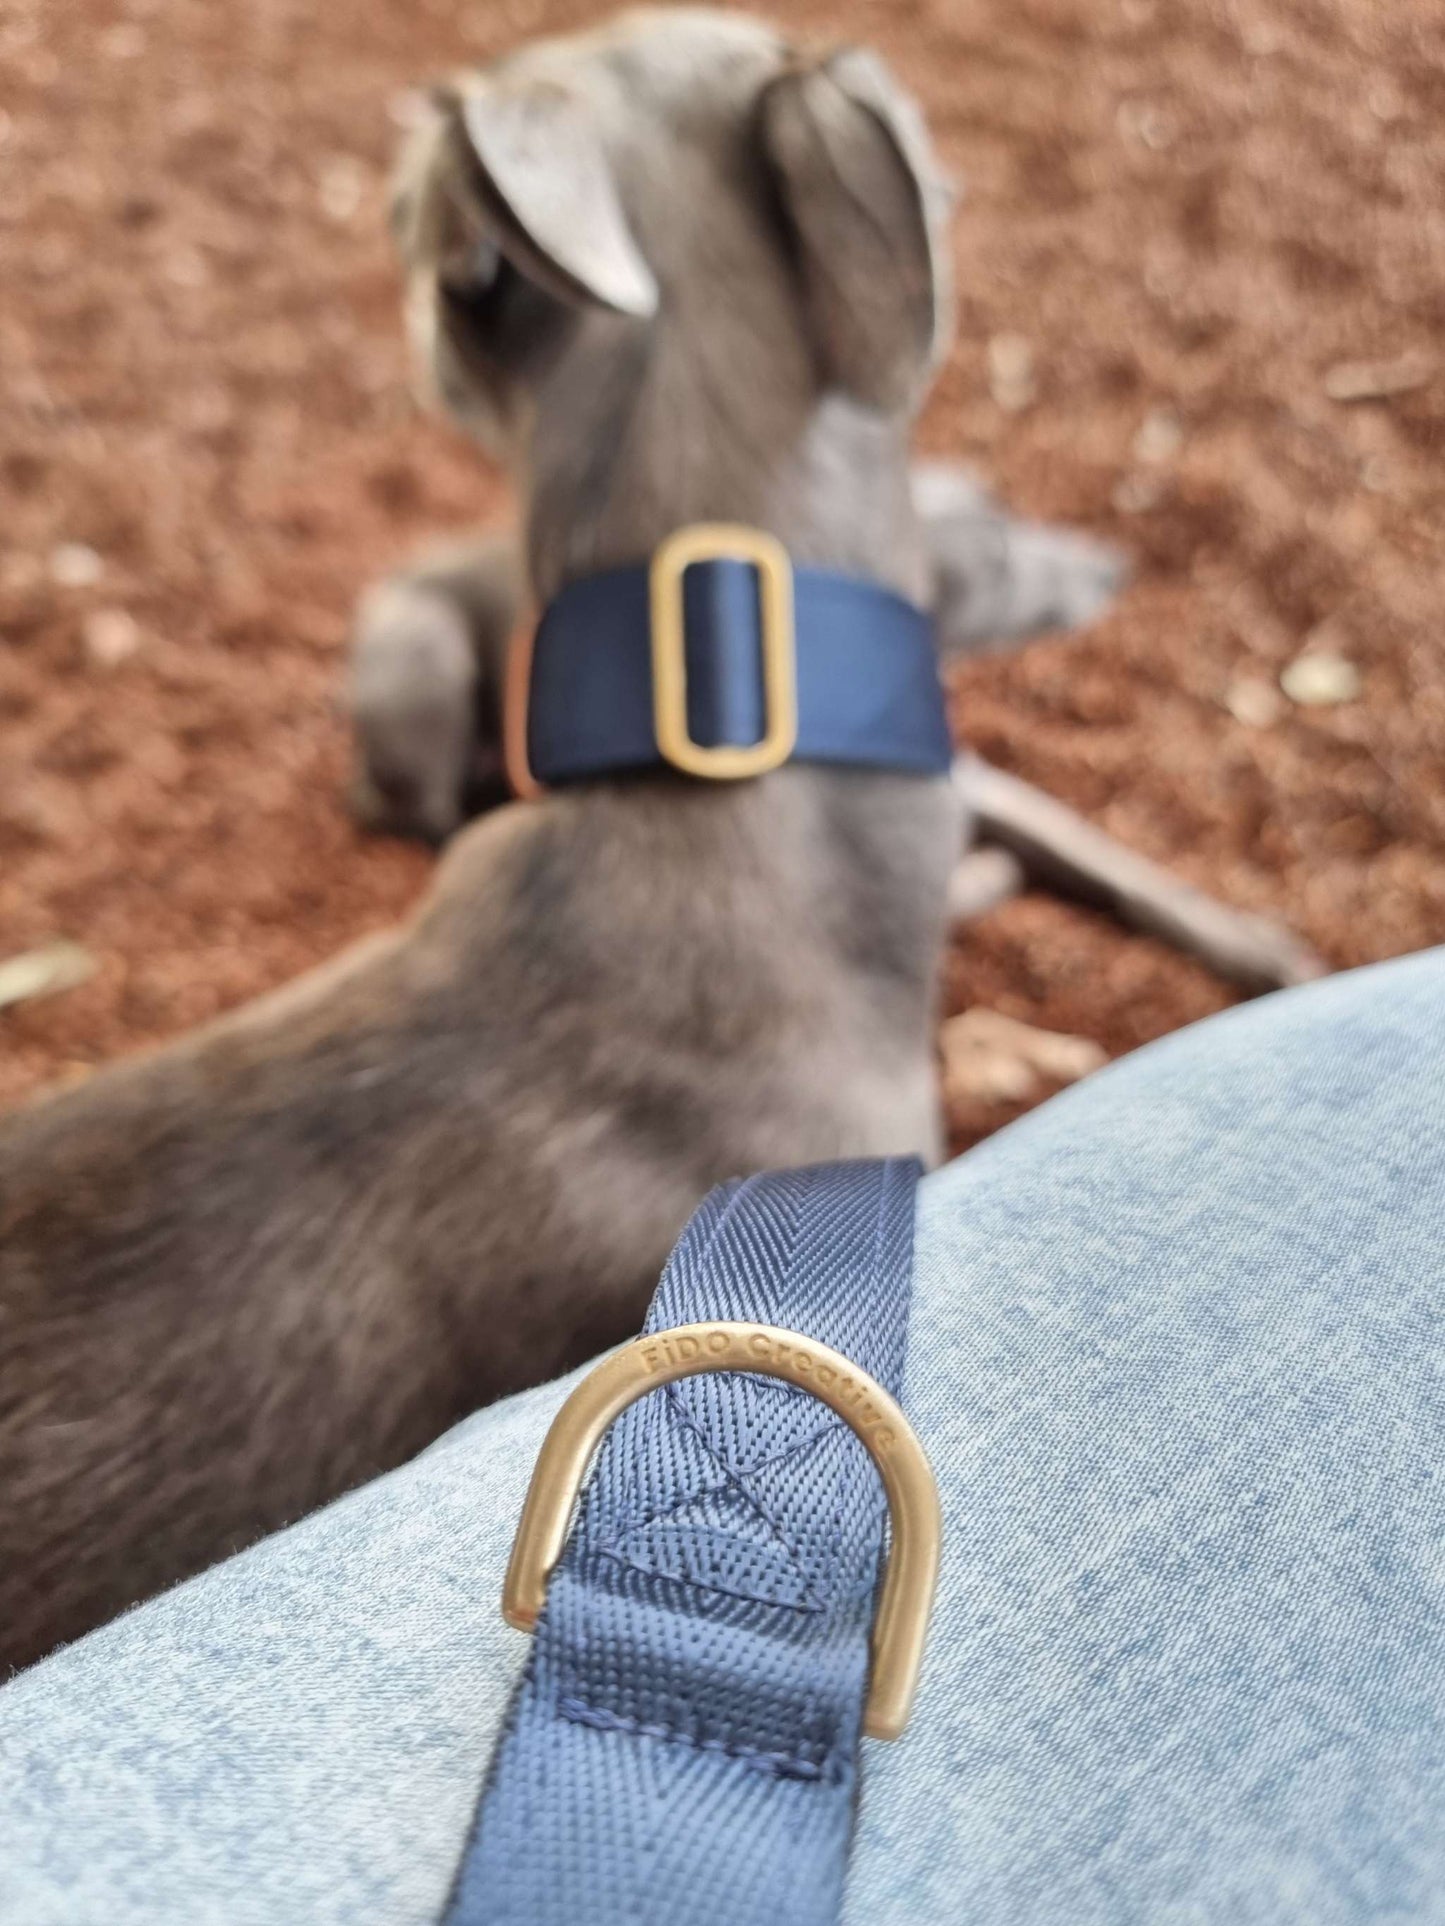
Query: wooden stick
(1061, 851)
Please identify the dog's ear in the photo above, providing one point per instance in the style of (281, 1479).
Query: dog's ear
(867, 205)
(531, 156)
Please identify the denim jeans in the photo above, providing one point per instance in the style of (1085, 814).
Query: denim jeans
(1178, 1355)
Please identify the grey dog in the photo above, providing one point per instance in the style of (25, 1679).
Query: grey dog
(674, 270)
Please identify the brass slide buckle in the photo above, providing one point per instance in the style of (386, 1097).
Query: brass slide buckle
(619, 1380)
(711, 542)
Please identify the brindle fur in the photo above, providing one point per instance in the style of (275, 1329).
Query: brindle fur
(245, 1273)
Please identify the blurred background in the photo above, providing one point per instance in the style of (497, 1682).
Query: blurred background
(1201, 268)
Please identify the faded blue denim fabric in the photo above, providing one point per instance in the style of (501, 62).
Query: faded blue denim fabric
(1178, 1353)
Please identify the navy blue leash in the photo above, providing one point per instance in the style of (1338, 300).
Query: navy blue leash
(868, 688)
(684, 1743)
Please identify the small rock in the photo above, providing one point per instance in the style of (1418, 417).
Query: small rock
(1142, 121)
(1011, 372)
(1136, 492)
(986, 1076)
(110, 637)
(1159, 439)
(209, 409)
(342, 188)
(1384, 101)
(73, 565)
(125, 42)
(187, 268)
(1379, 380)
(1255, 703)
(44, 971)
(410, 108)
(991, 1058)
(1318, 680)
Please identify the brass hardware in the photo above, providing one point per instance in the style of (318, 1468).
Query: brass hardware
(706, 542)
(628, 1374)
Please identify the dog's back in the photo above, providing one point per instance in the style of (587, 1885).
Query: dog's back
(678, 273)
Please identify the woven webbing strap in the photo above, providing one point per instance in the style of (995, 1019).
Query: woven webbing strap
(684, 1743)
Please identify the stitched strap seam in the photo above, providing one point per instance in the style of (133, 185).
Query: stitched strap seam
(779, 1765)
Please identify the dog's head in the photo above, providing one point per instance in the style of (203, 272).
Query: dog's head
(675, 270)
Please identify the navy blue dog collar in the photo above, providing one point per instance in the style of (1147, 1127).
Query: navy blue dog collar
(723, 660)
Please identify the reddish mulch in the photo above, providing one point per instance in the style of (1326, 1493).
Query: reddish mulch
(1187, 209)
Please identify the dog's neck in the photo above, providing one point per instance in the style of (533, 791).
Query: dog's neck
(687, 441)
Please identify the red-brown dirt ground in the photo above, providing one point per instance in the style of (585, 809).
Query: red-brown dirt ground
(1195, 212)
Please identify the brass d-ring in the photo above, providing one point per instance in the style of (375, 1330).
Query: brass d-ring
(577, 1429)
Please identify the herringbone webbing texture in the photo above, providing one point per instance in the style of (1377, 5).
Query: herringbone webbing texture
(683, 1746)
